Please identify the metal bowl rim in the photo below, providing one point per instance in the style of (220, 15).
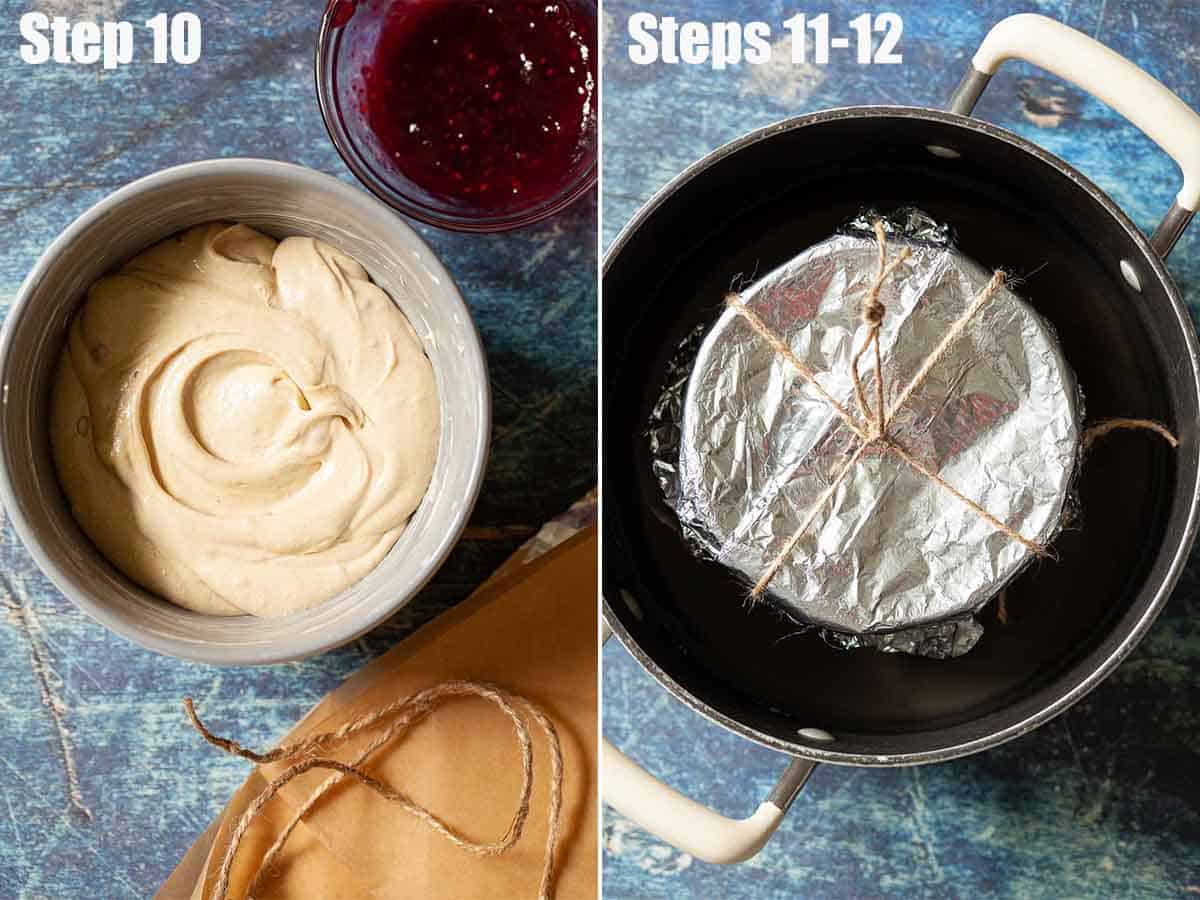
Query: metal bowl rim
(315, 642)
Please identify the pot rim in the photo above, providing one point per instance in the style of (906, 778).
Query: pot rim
(1162, 592)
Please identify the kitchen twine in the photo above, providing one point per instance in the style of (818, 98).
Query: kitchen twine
(873, 430)
(406, 712)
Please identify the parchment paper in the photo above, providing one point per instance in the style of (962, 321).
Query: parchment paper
(532, 631)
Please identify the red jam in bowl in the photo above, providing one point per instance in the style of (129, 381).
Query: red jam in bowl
(478, 108)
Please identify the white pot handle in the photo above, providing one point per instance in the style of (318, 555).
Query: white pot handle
(1109, 77)
(691, 826)
(686, 824)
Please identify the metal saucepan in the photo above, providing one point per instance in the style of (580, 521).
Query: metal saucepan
(756, 202)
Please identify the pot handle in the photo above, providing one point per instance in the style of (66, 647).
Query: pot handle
(1109, 77)
(690, 826)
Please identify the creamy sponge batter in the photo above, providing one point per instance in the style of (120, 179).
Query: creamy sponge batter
(243, 425)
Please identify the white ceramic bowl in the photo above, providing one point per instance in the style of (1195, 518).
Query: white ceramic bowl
(280, 199)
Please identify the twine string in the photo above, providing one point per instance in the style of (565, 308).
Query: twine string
(875, 430)
(873, 312)
(781, 347)
(1107, 426)
(1031, 546)
(953, 333)
(407, 712)
(813, 511)
(556, 767)
(876, 433)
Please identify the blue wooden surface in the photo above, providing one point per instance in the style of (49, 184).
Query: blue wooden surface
(74, 697)
(1104, 802)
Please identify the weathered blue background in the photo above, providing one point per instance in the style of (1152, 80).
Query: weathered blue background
(74, 697)
(1103, 802)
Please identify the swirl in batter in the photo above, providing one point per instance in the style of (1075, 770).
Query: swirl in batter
(243, 425)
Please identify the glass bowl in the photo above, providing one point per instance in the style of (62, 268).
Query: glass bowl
(352, 33)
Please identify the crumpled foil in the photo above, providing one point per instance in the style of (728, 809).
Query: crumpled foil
(742, 446)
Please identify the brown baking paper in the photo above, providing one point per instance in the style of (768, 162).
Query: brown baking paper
(531, 630)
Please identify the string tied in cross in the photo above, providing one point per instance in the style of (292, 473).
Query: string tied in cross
(871, 429)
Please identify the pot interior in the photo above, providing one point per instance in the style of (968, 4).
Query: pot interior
(756, 206)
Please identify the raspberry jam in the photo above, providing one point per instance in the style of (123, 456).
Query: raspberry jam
(485, 105)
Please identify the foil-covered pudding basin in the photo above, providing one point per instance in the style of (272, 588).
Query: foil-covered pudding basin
(753, 205)
(880, 554)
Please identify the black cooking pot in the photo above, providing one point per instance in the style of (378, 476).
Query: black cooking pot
(755, 203)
